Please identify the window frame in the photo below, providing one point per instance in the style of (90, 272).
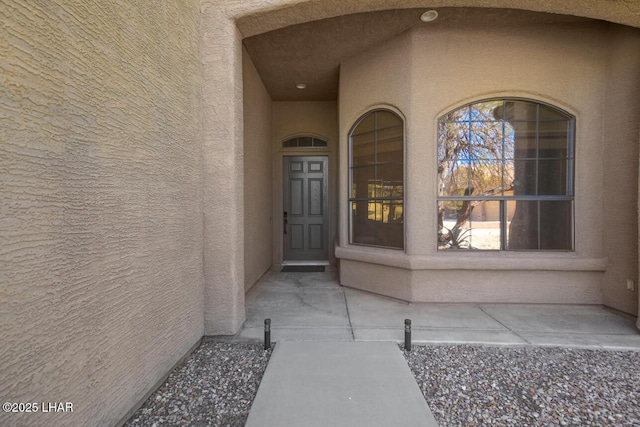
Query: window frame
(322, 145)
(503, 200)
(350, 168)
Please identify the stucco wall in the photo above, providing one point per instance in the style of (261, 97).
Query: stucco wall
(565, 65)
(299, 118)
(101, 203)
(258, 201)
(223, 167)
(621, 117)
(258, 16)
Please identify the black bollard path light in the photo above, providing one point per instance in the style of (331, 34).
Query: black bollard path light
(267, 334)
(407, 334)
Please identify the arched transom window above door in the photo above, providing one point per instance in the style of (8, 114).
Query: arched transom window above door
(305, 141)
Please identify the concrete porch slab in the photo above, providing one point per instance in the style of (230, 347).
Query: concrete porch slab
(587, 319)
(369, 310)
(440, 336)
(314, 307)
(275, 279)
(295, 308)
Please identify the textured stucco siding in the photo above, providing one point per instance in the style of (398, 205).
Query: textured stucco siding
(620, 153)
(222, 156)
(258, 201)
(100, 202)
(259, 16)
(480, 285)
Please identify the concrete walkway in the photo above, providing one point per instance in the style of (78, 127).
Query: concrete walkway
(314, 307)
(347, 384)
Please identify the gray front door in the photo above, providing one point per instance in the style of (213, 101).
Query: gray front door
(305, 209)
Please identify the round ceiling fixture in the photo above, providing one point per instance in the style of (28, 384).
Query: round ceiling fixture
(429, 16)
(301, 86)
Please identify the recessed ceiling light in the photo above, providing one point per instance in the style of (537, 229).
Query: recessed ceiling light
(301, 86)
(429, 16)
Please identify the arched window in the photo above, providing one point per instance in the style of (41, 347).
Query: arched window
(304, 142)
(505, 177)
(376, 176)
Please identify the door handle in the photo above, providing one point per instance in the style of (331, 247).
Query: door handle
(285, 222)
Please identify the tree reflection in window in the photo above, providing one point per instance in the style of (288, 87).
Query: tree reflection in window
(389, 210)
(505, 177)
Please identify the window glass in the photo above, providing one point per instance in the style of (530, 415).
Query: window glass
(553, 142)
(317, 142)
(363, 150)
(366, 125)
(552, 177)
(293, 142)
(505, 177)
(555, 224)
(376, 169)
(304, 142)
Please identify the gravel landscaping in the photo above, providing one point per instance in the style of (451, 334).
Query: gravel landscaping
(474, 385)
(463, 385)
(214, 387)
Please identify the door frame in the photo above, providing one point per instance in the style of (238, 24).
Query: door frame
(284, 129)
(280, 216)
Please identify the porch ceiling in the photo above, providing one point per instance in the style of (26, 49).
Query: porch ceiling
(312, 52)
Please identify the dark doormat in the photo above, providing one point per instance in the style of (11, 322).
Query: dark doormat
(303, 269)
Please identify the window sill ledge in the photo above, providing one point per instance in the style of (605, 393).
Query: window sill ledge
(496, 261)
